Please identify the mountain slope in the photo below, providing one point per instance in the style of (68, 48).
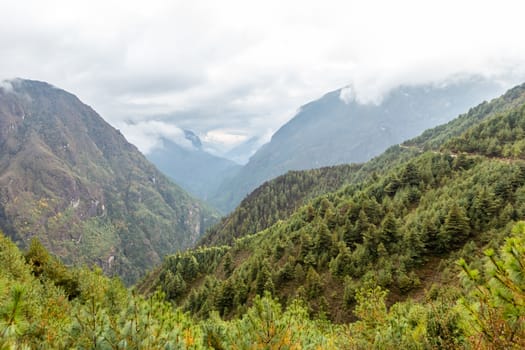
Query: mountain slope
(46, 305)
(194, 169)
(336, 129)
(70, 179)
(401, 229)
(433, 138)
(277, 199)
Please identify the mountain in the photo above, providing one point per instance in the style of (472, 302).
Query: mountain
(190, 166)
(278, 198)
(339, 129)
(398, 255)
(401, 228)
(74, 182)
(243, 151)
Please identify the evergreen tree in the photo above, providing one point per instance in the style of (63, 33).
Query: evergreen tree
(228, 264)
(456, 228)
(226, 298)
(263, 279)
(410, 175)
(173, 285)
(496, 303)
(389, 229)
(314, 285)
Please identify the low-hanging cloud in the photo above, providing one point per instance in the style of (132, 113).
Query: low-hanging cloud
(6, 85)
(148, 135)
(245, 66)
(347, 94)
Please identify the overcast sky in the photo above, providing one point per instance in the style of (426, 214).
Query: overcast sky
(231, 70)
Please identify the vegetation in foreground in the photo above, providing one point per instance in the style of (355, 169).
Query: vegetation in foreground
(44, 305)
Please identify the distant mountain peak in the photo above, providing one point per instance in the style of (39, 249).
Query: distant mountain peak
(195, 140)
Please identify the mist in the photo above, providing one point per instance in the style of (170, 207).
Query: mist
(243, 69)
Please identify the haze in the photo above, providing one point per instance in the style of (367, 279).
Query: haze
(236, 70)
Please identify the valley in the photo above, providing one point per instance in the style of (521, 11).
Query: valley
(341, 257)
(264, 175)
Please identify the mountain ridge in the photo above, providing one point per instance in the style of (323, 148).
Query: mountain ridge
(74, 181)
(384, 230)
(261, 203)
(335, 130)
(194, 169)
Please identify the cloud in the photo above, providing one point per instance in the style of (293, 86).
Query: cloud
(6, 85)
(347, 94)
(247, 66)
(228, 138)
(148, 135)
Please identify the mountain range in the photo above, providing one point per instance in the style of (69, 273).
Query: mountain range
(191, 167)
(338, 128)
(71, 180)
(398, 222)
(420, 247)
(278, 198)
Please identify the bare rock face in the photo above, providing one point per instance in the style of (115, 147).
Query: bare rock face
(74, 182)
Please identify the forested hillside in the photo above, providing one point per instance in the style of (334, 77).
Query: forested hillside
(426, 254)
(72, 180)
(277, 199)
(44, 305)
(338, 128)
(262, 175)
(400, 230)
(435, 137)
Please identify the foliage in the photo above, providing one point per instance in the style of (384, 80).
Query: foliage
(364, 267)
(496, 302)
(107, 316)
(501, 137)
(434, 138)
(362, 232)
(277, 199)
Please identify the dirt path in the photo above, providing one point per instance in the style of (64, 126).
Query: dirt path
(454, 155)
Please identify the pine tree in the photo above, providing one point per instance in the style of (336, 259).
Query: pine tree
(410, 175)
(173, 285)
(228, 264)
(226, 298)
(389, 229)
(263, 278)
(456, 228)
(340, 266)
(314, 286)
(496, 302)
